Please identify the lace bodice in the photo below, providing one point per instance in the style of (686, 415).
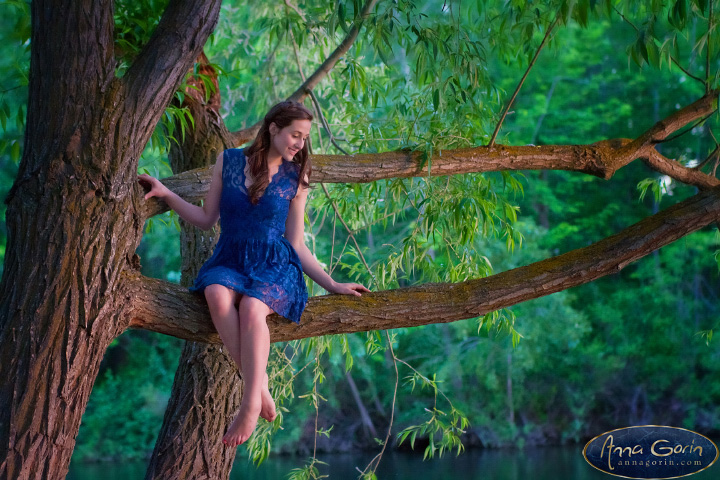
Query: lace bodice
(238, 216)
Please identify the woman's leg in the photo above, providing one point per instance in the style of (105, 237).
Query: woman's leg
(221, 303)
(255, 348)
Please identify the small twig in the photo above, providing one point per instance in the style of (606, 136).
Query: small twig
(317, 409)
(332, 242)
(287, 2)
(11, 89)
(678, 135)
(685, 71)
(324, 121)
(717, 157)
(517, 90)
(378, 220)
(295, 49)
(677, 64)
(710, 157)
(357, 246)
(316, 104)
(707, 57)
(378, 457)
(423, 376)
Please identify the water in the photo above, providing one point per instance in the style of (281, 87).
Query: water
(547, 463)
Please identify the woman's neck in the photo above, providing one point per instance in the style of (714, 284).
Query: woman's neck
(273, 158)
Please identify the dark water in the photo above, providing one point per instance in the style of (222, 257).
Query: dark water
(549, 463)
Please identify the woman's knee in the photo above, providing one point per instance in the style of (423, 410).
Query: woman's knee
(218, 294)
(253, 308)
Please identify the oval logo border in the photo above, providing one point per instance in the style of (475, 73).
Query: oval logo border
(717, 451)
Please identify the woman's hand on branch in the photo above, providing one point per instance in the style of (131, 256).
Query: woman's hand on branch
(349, 289)
(157, 189)
(202, 217)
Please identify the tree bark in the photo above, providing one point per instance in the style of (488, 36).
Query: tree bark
(163, 307)
(73, 224)
(206, 393)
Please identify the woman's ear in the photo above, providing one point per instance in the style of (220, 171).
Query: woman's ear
(273, 129)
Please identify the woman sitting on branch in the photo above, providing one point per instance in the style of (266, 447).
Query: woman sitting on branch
(259, 195)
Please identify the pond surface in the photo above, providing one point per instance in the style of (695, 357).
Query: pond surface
(547, 463)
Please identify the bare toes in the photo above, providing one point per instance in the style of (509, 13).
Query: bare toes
(240, 429)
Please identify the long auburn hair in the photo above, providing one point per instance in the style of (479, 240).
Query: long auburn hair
(281, 115)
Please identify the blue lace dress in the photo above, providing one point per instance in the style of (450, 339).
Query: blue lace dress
(252, 256)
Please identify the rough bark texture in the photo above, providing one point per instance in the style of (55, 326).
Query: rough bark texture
(164, 308)
(205, 396)
(207, 390)
(73, 220)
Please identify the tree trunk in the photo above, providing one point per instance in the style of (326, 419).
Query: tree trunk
(74, 219)
(206, 393)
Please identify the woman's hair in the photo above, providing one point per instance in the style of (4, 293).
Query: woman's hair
(281, 115)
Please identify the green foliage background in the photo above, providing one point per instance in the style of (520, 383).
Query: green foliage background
(432, 76)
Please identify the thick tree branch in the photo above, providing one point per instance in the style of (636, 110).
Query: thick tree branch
(601, 159)
(164, 61)
(52, 63)
(245, 135)
(166, 308)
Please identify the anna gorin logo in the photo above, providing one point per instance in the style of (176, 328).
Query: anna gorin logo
(650, 451)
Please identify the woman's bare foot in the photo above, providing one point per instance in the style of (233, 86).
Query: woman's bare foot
(267, 410)
(244, 424)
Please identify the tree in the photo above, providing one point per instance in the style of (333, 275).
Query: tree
(75, 212)
(73, 221)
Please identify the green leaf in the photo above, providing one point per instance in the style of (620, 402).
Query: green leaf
(701, 4)
(15, 151)
(3, 116)
(678, 14)
(641, 48)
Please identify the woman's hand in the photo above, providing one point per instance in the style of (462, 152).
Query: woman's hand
(348, 289)
(157, 189)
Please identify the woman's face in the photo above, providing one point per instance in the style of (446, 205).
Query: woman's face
(290, 140)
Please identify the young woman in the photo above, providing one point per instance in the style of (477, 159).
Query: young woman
(259, 194)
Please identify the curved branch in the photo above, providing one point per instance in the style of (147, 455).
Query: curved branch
(245, 135)
(601, 159)
(659, 132)
(166, 308)
(674, 170)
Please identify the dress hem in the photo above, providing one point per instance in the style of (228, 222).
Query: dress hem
(201, 289)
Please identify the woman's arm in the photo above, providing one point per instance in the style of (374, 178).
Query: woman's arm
(202, 217)
(295, 233)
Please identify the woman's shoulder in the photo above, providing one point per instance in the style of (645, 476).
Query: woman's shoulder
(234, 153)
(233, 157)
